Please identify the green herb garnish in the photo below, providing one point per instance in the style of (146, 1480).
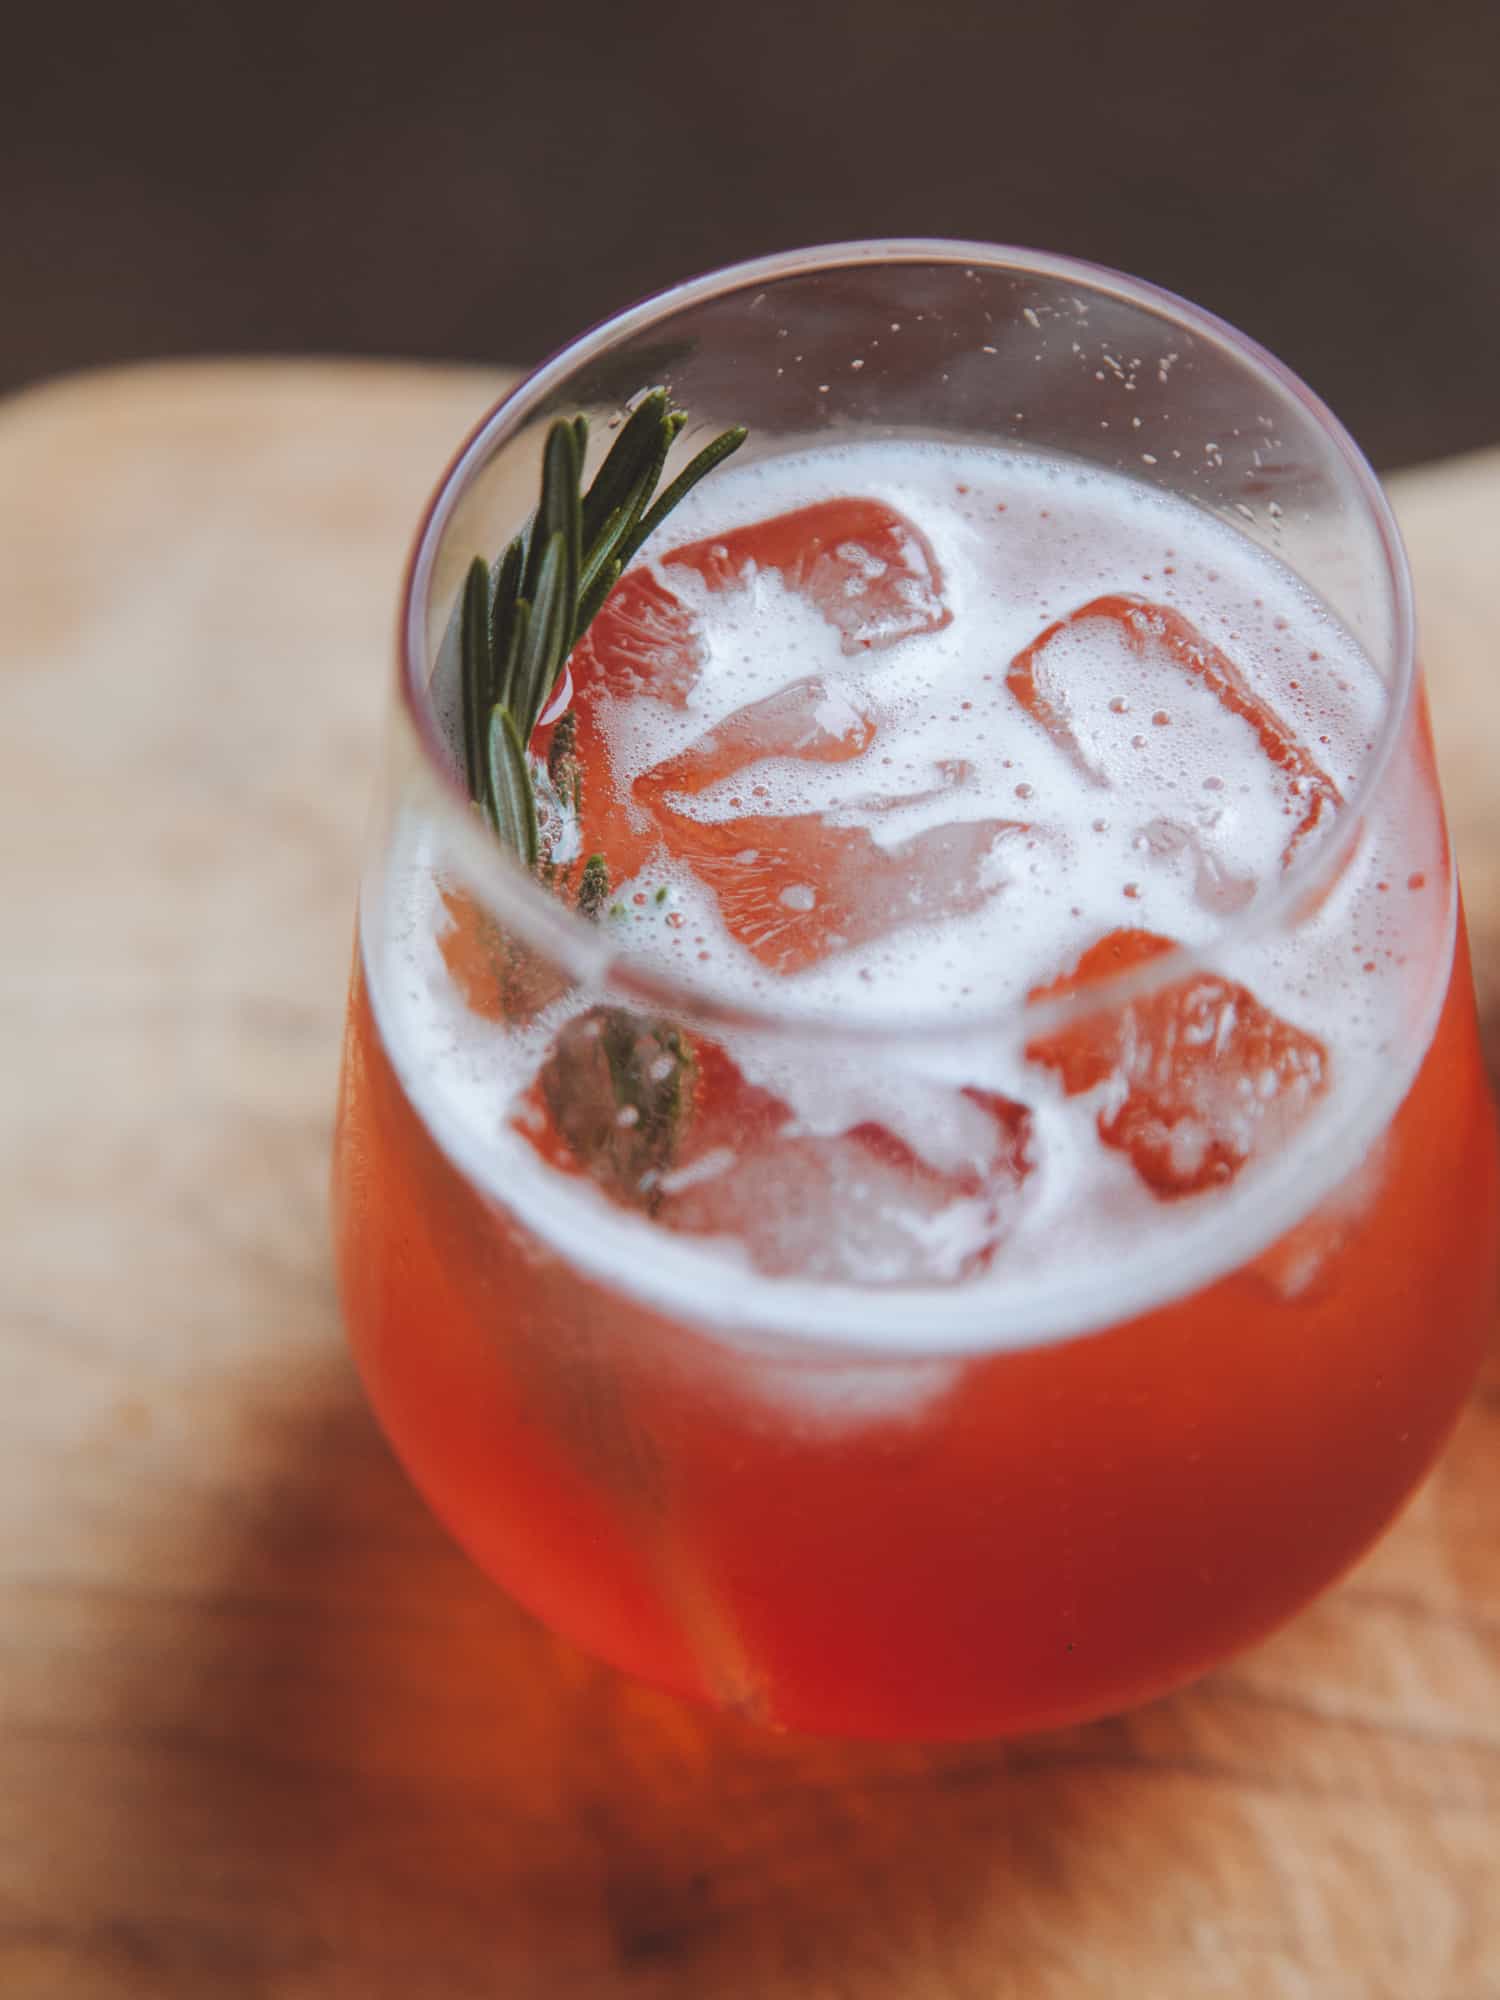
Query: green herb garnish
(619, 1087)
(522, 617)
(593, 886)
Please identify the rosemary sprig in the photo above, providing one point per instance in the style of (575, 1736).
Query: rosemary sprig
(521, 618)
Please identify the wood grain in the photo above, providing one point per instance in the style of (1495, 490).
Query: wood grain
(262, 1732)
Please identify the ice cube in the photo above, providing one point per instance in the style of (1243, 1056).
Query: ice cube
(868, 570)
(1193, 1077)
(1124, 687)
(807, 720)
(673, 1126)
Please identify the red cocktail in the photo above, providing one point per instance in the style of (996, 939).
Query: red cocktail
(999, 1207)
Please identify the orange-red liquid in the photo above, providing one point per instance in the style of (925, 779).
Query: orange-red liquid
(1058, 1533)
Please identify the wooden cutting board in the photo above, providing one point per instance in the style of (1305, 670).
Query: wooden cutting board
(262, 1732)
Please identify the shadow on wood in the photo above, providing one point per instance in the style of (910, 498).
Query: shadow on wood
(414, 1778)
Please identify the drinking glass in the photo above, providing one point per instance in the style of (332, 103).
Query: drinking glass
(846, 1504)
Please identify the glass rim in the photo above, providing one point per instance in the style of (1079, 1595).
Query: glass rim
(582, 947)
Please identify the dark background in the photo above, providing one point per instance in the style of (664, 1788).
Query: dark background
(479, 183)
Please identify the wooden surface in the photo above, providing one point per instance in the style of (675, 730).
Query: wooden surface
(262, 1732)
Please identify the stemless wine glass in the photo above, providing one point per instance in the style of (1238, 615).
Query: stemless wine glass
(916, 1508)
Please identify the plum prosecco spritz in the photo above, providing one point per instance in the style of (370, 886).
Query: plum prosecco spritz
(995, 1207)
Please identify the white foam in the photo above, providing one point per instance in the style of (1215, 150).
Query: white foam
(1021, 542)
